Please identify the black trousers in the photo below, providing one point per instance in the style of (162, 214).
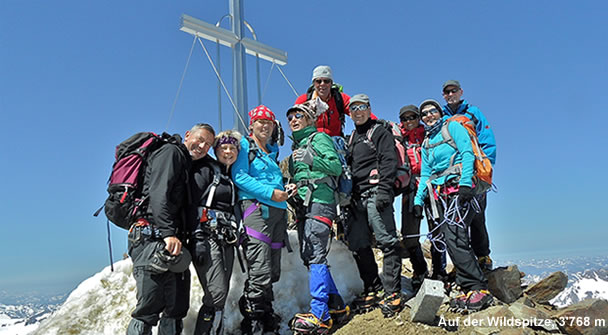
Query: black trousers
(456, 236)
(479, 233)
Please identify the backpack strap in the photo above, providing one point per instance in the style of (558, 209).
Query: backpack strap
(470, 115)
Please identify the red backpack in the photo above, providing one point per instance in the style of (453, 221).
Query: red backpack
(125, 196)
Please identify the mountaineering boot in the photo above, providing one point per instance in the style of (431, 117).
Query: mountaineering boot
(170, 326)
(339, 316)
(417, 280)
(253, 310)
(391, 305)
(338, 310)
(485, 263)
(209, 321)
(271, 322)
(367, 301)
(138, 327)
(478, 300)
(308, 323)
(459, 303)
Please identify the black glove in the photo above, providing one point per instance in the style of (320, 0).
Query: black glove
(465, 194)
(383, 200)
(417, 211)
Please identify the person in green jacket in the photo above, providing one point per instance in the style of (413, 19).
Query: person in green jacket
(315, 167)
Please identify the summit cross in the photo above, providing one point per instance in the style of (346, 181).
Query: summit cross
(240, 46)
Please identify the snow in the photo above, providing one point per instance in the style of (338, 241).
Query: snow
(584, 287)
(102, 304)
(15, 327)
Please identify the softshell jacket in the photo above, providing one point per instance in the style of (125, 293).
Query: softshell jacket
(329, 122)
(485, 134)
(166, 184)
(363, 159)
(325, 163)
(258, 180)
(436, 160)
(201, 178)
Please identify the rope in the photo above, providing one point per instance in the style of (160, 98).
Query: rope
(452, 216)
(287, 80)
(179, 88)
(222, 82)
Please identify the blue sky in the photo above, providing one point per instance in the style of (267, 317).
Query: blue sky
(78, 77)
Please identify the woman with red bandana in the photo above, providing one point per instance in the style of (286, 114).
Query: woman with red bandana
(262, 197)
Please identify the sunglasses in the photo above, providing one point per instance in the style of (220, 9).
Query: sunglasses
(296, 115)
(358, 108)
(430, 111)
(454, 90)
(325, 81)
(409, 118)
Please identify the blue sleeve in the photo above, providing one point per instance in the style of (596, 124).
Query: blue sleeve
(465, 151)
(425, 173)
(485, 134)
(243, 179)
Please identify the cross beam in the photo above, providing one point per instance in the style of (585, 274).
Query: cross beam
(240, 46)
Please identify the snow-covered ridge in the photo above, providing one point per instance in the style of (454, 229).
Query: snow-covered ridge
(102, 304)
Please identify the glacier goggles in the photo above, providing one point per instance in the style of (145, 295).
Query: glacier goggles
(430, 111)
(358, 108)
(296, 115)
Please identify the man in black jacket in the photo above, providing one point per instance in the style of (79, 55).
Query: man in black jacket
(373, 162)
(155, 239)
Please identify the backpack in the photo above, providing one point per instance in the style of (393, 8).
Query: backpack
(342, 184)
(403, 175)
(482, 177)
(126, 180)
(415, 158)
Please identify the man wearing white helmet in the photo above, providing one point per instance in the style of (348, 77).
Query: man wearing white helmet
(331, 121)
(315, 167)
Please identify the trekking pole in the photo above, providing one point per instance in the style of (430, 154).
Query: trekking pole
(110, 246)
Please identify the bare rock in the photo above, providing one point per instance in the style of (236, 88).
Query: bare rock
(505, 283)
(536, 319)
(588, 317)
(548, 288)
(516, 331)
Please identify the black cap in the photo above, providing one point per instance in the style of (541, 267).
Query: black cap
(408, 108)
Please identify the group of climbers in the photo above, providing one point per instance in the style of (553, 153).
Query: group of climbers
(214, 206)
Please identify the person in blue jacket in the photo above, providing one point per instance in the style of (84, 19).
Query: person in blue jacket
(452, 93)
(262, 197)
(446, 178)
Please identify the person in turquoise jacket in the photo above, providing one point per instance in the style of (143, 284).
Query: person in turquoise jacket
(262, 203)
(446, 186)
(315, 166)
(452, 93)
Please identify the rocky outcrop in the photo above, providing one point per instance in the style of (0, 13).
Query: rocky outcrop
(505, 283)
(548, 288)
(588, 317)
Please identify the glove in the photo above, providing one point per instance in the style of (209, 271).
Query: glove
(465, 194)
(383, 200)
(303, 155)
(417, 211)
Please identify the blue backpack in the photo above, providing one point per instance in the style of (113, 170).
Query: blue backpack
(343, 184)
(345, 180)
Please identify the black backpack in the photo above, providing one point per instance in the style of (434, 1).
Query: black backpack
(125, 197)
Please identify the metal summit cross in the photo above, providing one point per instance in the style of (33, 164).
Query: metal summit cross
(240, 46)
